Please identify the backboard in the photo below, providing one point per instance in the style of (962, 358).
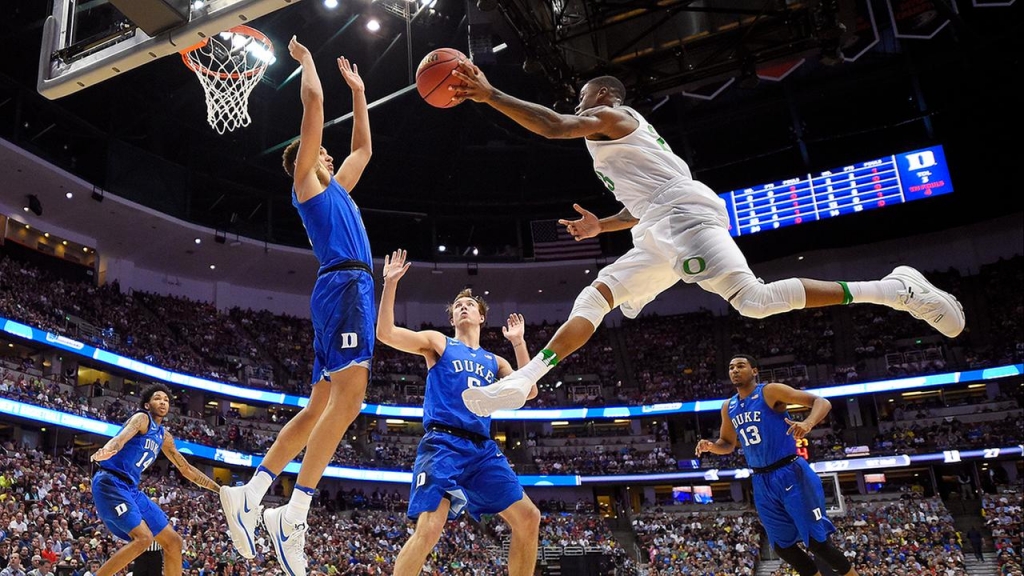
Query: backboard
(88, 41)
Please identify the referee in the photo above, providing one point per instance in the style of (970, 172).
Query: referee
(150, 562)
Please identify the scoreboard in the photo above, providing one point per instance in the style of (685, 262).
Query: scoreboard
(878, 183)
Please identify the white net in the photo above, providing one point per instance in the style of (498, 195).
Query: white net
(229, 66)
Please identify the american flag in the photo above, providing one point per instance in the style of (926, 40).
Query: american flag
(552, 242)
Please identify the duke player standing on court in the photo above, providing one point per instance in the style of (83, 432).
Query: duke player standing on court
(127, 512)
(787, 493)
(341, 309)
(458, 467)
(680, 232)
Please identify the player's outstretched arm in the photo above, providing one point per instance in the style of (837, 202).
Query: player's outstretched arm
(137, 424)
(427, 343)
(311, 132)
(514, 331)
(588, 225)
(352, 168)
(603, 121)
(190, 472)
(776, 393)
(726, 442)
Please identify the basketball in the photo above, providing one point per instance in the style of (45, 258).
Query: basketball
(434, 76)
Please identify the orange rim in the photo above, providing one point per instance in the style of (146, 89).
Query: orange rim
(243, 30)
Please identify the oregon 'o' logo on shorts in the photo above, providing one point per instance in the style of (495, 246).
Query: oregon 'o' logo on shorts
(694, 265)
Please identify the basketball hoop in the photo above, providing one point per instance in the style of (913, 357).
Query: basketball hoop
(229, 65)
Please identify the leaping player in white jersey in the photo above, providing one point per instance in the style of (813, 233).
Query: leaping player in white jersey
(680, 231)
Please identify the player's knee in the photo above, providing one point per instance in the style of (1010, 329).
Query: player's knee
(173, 543)
(144, 539)
(527, 518)
(759, 300)
(798, 559)
(830, 554)
(592, 305)
(430, 531)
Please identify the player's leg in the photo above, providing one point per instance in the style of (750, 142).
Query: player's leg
(141, 538)
(241, 504)
(172, 544)
(711, 258)
(434, 495)
(524, 519)
(804, 501)
(429, 527)
(491, 486)
(632, 281)
(782, 533)
(286, 525)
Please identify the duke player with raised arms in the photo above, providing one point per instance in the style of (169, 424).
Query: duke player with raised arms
(458, 467)
(341, 309)
(787, 493)
(680, 231)
(127, 512)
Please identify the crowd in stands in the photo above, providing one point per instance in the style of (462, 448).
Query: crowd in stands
(1002, 515)
(46, 510)
(649, 360)
(699, 543)
(898, 537)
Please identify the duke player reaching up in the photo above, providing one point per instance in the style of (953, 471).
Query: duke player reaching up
(127, 512)
(787, 493)
(458, 467)
(341, 308)
(680, 232)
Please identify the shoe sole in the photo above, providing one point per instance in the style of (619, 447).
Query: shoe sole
(231, 532)
(916, 277)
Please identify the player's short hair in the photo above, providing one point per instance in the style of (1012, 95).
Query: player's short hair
(147, 394)
(614, 86)
(466, 293)
(750, 359)
(288, 157)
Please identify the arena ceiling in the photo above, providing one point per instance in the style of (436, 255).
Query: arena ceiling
(747, 91)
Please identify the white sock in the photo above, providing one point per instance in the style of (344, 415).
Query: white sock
(883, 292)
(257, 486)
(298, 505)
(533, 371)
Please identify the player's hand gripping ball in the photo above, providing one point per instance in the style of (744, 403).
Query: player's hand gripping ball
(434, 76)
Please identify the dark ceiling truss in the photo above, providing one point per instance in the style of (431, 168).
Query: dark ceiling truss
(662, 47)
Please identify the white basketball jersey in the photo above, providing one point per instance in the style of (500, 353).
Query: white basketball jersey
(640, 170)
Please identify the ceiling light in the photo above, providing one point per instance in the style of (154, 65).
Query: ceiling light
(65, 242)
(199, 240)
(213, 266)
(540, 291)
(47, 235)
(69, 195)
(85, 249)
(332, 4)
(373, 25)
(197, 5)
(25, 208)
(442, 248)
(476, 252)
(587, 271)
(499, 48)
(487, 292)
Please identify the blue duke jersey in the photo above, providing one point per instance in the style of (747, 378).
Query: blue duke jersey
(790, 500)
(341, 305)
(458, 368)
(761, 430)
(115, 488)
(472, 474)
(334, 226)
(137, 453)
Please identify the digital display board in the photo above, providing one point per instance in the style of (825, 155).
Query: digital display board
(868, 185)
